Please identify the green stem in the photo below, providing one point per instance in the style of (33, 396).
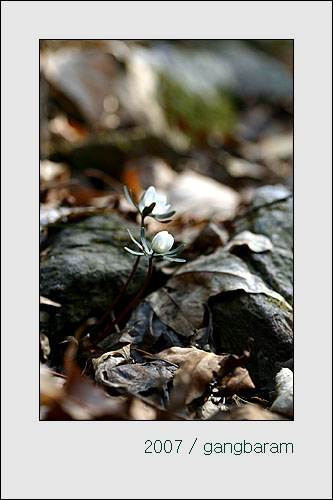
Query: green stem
(128, 307)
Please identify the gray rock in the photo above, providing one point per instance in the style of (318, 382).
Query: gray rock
(230, 65)
(85, 269)
(238, 316)
(271, 214)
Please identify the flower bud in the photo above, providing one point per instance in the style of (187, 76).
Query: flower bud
(162, 242)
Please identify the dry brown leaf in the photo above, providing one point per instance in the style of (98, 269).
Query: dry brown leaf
(256, 242)
(139, 410)
(118, 357)
(81, 399)
(196, 369)
(181, 303)
(198, 197)
(237, 380)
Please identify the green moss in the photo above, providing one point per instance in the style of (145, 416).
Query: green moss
(194, 113)
(279, 304)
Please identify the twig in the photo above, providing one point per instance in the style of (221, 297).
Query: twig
(56, 374)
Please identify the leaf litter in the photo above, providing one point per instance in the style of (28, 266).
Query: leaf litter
(180, 303)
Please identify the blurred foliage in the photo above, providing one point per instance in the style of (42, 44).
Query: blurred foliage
(197, 115)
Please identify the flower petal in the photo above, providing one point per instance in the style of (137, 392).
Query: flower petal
(162, 242)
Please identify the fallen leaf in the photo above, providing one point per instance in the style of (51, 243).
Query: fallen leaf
(197, 368)
(256, 242)
(180, 304)
(81, 399)
(135, 378)
(197, 197)
(238, 167)
(67, 69)
(110, 359)
(139, 410)
(238, 380)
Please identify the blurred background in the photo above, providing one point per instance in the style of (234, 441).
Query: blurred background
(205, 121)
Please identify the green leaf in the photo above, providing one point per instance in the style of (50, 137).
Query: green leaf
(164, 221)
(133, 252)
(165, 216)
(128, 195)
(176, 251)
(134, 240)
(173, 259)
(143, 240)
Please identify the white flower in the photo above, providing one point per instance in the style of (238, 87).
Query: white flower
(149, 197)
(162, 242)
(160, 246)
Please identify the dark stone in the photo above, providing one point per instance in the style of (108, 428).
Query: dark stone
(239, 317)
(85, 269)
(271, 214)
(148, 332)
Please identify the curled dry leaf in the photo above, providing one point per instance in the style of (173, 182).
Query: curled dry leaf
(284, 391)
(256, 242)
(135, 378)
(196, 369)
(112, 358)
(181, 303)
(236, 381)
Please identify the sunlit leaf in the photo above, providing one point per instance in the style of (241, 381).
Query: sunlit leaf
(134, 240)
(176, 251)
(143, 240)
(133, 252)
